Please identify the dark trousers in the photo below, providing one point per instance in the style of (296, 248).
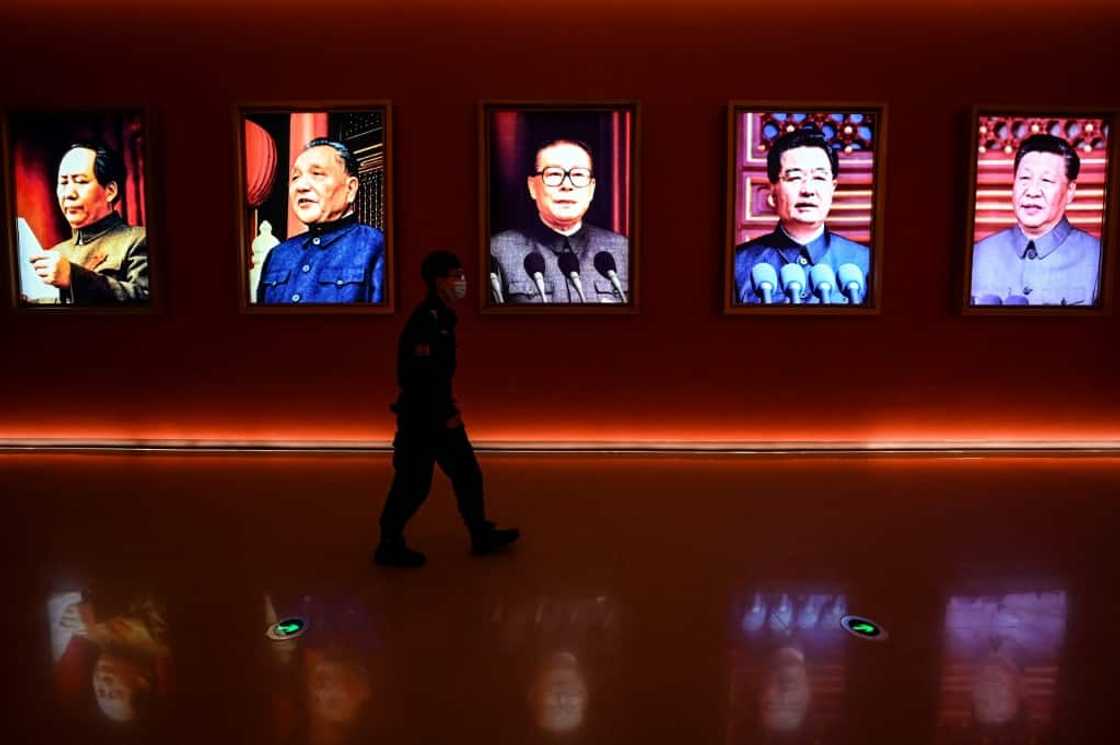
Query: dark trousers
(415, 453)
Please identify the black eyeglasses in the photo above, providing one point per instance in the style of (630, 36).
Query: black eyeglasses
(580, 178)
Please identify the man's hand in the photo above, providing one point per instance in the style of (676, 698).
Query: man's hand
(52, 268)
(455, 422)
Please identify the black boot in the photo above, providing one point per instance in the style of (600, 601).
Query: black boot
(395, 553)
(490, 539)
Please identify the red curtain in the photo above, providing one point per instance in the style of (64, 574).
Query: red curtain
(305, 126)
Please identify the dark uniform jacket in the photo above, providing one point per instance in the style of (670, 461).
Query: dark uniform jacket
(108, 263)
(425, 366)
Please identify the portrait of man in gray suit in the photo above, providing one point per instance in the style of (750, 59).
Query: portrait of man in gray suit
(559, 257)
(1042, 259)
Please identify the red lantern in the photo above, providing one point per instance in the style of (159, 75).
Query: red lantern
(260, 163)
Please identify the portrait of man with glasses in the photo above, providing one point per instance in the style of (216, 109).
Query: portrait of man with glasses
(559, 257)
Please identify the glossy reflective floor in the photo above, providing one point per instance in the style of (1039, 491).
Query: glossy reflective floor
(653, 599)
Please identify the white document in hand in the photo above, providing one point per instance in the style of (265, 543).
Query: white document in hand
(31, 288)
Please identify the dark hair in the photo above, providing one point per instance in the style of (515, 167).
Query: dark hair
(1051, 144)
(437, 264)
(542, 145)
(348, 158)
(108, 166)
(804, 137)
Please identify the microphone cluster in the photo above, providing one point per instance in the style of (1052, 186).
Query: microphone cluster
(825, 284)
(997, 300)
(534, 267)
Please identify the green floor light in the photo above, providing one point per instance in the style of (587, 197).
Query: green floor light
(864, 628)
(288, 628)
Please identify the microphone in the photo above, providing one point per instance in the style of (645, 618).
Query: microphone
(569, 265)
(604, 264)
(534, 267)
(823, 281)
(851, 282)
(495, 284)
(763, 280)
(793, 282)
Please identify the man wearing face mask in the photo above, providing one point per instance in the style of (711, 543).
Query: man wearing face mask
(105, 262)
(429, 427)
(338, 259)
(802, 170)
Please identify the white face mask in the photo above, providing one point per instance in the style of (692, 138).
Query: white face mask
(459, 288)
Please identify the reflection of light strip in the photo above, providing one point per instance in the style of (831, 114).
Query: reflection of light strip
(1081, 193)
(748, 447)
(751, 149)
(1075, 207)
(1011, 220)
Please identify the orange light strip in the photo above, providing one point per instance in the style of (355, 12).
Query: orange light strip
(574, 446)
(910, 429)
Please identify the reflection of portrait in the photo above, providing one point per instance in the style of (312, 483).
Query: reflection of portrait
(787, 673)
(338, 691)
(565, 651)
(81, 250)
(559, 694)
(547, 194)
(320, 240)
(1001, 666)
(322, 679)
(1042, 259)
(996, 690)
(111, 652)
(784, 699)
(802, 260)
(122, 685)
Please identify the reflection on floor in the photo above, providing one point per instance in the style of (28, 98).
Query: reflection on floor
(655, 599)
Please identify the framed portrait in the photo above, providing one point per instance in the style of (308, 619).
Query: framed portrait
(1037, 227)
(79, 211)
(805, 190)
(316, 208)
(559, 207)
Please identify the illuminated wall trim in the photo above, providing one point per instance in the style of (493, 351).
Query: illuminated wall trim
(949, 447)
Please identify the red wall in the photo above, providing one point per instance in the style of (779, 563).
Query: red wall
(677, 370)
